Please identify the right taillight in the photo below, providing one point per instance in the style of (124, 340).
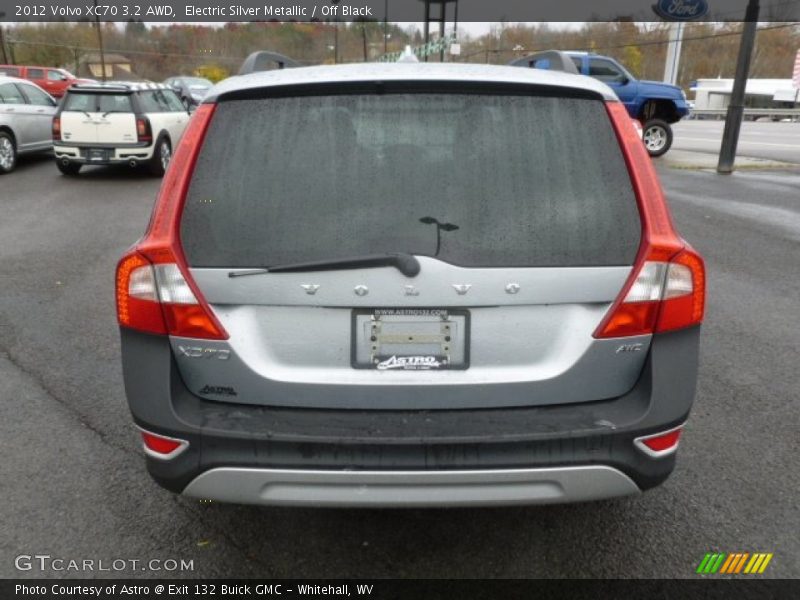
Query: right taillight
(155, 291)
(667, 286)
(143, 131)
(662, 296)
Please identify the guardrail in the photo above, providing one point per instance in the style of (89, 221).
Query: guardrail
(790, 113)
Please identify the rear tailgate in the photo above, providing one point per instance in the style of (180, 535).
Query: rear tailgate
(517, 205)
(98, 117)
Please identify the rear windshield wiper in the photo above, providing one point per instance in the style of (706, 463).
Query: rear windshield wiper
(407, 264)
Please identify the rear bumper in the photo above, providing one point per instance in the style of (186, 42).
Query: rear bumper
(118, 154)
(411, 488)
(281, 455)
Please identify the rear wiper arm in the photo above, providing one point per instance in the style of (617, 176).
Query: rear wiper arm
(407, 264)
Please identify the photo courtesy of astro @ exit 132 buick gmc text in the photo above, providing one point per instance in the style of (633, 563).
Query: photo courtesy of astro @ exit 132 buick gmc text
(399, 299)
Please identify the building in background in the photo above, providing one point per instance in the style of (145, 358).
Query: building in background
(118, 68)
(715, 94)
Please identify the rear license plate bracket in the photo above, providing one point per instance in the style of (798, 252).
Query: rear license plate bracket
(410, 339)
(97, 154)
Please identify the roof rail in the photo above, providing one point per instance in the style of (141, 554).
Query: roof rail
(260, 61)
(557, 61)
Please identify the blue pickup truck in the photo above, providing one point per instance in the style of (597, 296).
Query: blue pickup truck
(656, 105)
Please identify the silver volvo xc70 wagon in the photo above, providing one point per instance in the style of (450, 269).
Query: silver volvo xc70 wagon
(410, 285)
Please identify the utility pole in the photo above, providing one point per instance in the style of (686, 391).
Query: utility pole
(385, 26)
(3, 39)
(733, 121)
(674, 52)
(100, 41)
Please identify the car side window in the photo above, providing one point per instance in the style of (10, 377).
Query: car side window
(54, 75)
(148, 102)
(174, 103)
(9, 71)
(578, 62)
(35, 73)
(605, 70)
(37, 96)
(10, 94)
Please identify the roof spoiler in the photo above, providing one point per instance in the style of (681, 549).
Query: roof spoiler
(262, 61)
(558, 61)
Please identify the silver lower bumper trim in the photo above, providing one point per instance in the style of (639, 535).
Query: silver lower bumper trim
(411, 488)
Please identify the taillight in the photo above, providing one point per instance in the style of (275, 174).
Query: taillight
(666, 289)
(661, 444)
(143, 131)
(56, 129)
(155, 292)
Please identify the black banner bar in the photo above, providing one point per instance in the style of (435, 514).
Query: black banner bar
(743, 587)
(176, 11)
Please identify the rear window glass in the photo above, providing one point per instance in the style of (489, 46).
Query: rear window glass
(105, 103)
(477, 180)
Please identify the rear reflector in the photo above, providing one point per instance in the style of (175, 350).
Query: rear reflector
(660, 444)
(666, 289)
(155, 292)
(162, 447)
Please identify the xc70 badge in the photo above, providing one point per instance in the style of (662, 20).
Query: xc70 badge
(209, 353)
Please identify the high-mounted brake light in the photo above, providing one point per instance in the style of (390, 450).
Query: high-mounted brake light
(661, 444)
(666, 289)
(56, 129)
(155, 292)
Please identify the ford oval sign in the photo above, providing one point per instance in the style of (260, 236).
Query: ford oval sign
(681, 10)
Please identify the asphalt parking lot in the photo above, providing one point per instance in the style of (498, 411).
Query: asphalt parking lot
(763, 140)
(72, 477)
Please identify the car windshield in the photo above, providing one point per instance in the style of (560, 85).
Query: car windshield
(478, 180)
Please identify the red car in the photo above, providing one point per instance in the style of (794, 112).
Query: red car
(54, 81)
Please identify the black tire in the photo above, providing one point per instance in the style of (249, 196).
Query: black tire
(159, 162)
(657, 137)
(70, 169)
(8, 153)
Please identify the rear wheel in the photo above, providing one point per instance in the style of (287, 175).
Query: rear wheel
(69, 168)
(162, 155)
(657, 137)
(8, 153)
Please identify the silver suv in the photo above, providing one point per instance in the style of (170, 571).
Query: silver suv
(408, 285)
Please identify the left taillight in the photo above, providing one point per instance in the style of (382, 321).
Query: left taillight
(154, 288)
(56, 129)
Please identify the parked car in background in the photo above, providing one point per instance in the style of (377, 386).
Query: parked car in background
(118, 123)
(26, 112)
(54, 81)
(655, 104)
(191, 90)
(410, 284)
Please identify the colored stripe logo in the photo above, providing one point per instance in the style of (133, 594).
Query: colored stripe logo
(734, 563)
